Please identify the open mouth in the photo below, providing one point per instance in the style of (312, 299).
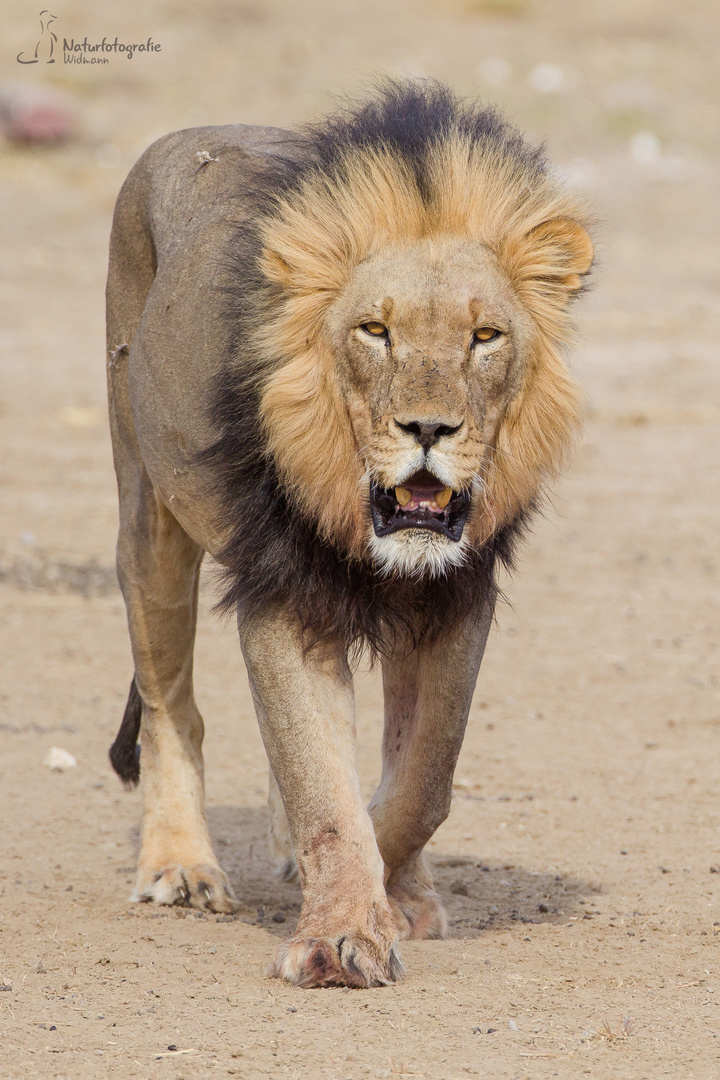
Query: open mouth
(420, 502)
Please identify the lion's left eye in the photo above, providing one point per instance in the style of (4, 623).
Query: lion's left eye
(486, 333)
(375, 329)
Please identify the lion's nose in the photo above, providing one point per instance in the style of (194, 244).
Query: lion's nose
(426, 433)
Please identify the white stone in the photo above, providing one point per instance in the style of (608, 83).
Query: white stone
(59, 760)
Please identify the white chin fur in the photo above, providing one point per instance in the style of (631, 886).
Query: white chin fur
(416, 553)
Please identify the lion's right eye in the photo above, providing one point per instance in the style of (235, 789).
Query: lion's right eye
(375, 329)
(484, 334)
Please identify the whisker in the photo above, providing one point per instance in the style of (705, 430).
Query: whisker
(487, 499)
(497, 450)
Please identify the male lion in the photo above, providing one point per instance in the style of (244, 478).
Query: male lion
(335, 364)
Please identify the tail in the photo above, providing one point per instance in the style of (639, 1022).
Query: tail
(124, 752)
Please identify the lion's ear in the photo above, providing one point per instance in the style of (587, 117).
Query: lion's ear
(275, 267)
(558, 251)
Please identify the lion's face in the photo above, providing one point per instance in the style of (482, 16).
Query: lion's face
(431, 345)
(417, 399)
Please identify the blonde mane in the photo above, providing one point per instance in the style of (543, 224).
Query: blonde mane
(372, 199)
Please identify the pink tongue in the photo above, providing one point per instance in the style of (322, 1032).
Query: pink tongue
(423, 497)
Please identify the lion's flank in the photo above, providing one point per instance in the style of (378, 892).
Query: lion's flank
(411, 163)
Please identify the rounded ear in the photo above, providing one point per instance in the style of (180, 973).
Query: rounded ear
(275, 267)
(559, 250)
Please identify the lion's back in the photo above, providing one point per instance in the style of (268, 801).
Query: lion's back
(190, 179)
(167, 286)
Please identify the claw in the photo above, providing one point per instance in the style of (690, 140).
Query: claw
(204, 887)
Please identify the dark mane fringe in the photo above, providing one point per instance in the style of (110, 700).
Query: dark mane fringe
(409, 118)
(274, 553)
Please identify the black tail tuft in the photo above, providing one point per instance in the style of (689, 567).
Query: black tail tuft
(124, 752)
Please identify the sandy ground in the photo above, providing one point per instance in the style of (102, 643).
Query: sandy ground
(581, 862)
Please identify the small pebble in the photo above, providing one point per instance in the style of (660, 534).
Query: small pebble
(493, 910)
(5, 986)
(544, 908)
(59, 760)
(279, 917)
(459, 888)
(292, 1008)
(172, 1046)
(512, 1025)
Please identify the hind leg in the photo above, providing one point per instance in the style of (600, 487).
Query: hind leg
(281, 845)
(158, 567)
(427, 699)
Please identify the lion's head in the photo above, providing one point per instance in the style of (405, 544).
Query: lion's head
(421, 399)
(413, 265)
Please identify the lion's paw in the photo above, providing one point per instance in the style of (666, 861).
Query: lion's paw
(205, 887)
(336, 961)
(420, 915)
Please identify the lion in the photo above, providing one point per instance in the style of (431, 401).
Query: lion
(336, 363)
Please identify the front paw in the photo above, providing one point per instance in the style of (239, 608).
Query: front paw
(343, 960)
(204, 887)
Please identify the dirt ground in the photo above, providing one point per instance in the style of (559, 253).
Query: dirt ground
(581, 862)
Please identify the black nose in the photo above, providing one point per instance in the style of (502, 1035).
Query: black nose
(427, 434)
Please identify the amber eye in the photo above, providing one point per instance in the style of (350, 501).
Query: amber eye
(486, 333)
(375, 329)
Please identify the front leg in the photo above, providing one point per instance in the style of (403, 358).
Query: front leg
(306, 710)
(428, 692)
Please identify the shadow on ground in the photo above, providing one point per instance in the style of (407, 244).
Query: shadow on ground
(478, 896)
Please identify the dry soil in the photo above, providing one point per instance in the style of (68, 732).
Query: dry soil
(581, 862)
